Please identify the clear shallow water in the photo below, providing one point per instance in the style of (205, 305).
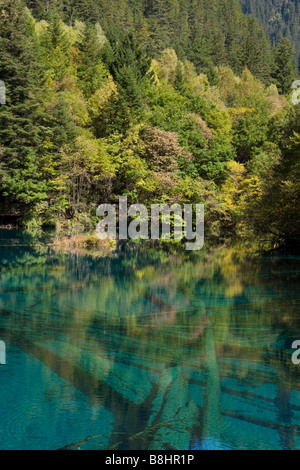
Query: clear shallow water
(148, 350)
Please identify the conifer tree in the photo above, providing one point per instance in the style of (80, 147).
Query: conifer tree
(129, 64)
(91, 71)
(20, 133)
(284, 72)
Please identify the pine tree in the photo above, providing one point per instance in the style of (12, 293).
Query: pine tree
(91, 71)
(129, 65)
(284, 72)
(20, 134)
(55, 45)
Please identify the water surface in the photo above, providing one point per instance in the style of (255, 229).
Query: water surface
(148, 349)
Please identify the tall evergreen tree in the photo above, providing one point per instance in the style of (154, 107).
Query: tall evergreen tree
(129, 64)
(20, 134)
(90, 71)
(284, 72)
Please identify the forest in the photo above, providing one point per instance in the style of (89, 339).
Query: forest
(279, 18)
(163, 101)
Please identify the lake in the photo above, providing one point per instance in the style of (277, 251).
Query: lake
(148, 348)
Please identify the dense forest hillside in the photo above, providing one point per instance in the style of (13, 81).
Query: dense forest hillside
(278, 17)
(105, 98)
(207, 32)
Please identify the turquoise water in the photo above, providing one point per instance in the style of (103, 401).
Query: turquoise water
(148, 349)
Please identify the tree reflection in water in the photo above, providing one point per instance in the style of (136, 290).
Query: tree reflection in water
(184, 350)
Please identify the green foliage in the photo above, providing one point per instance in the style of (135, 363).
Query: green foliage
(21, 130)
(277, 212)
(128, 65)
(207, 32)
(91, 72)
(278, 17)
(284, 73)
(90, 117)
